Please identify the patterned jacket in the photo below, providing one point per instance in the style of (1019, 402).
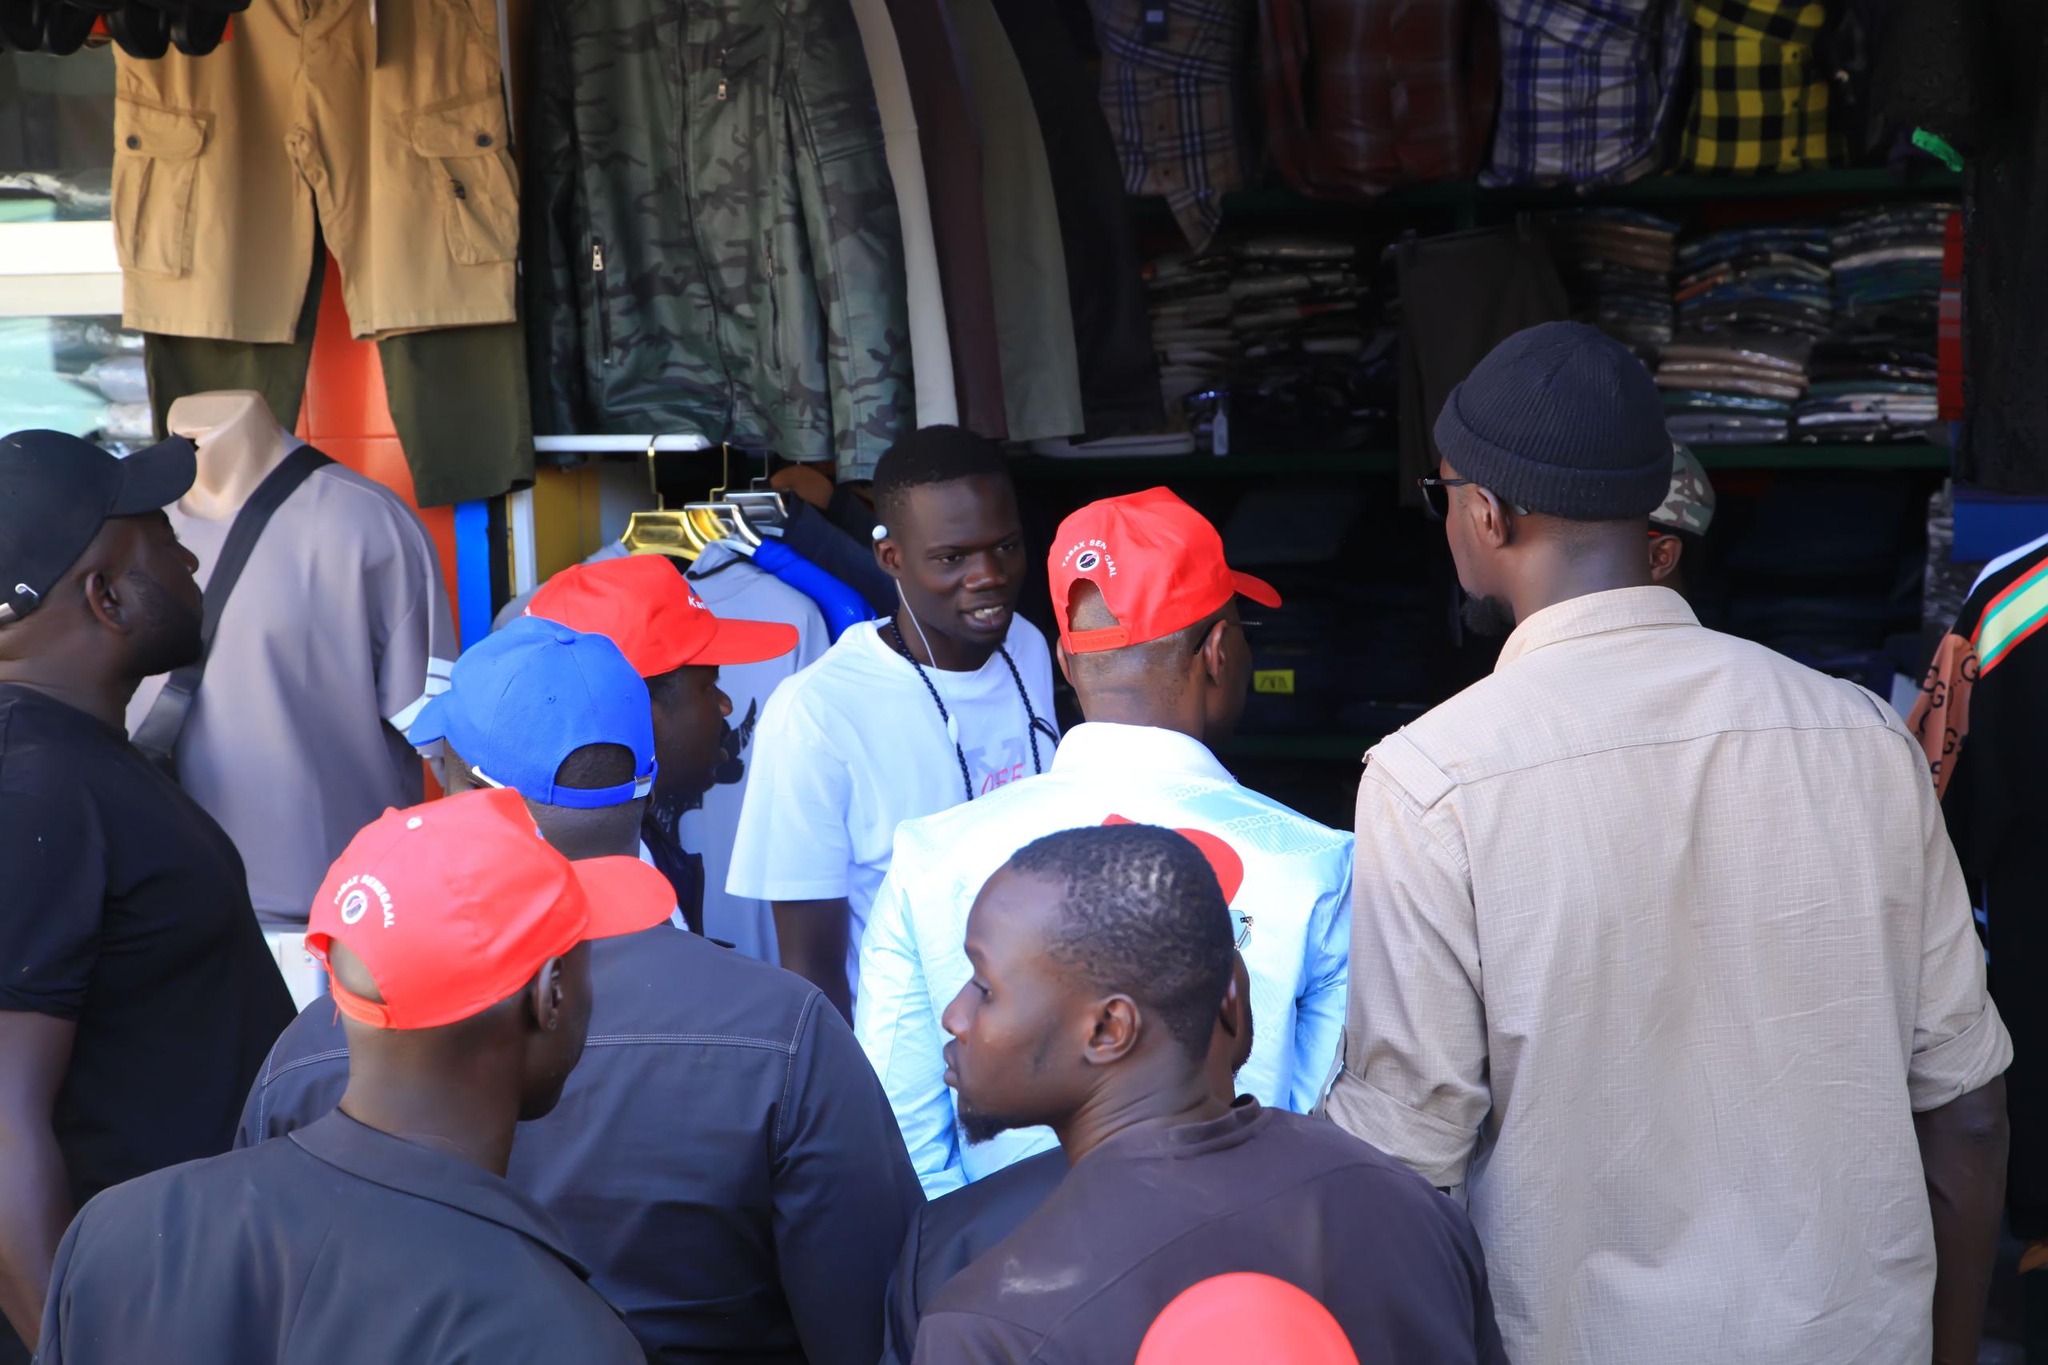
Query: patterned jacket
(711, 235)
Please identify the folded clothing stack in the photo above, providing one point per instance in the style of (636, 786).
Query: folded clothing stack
(1308, 376)
(1876, 379)
(1616, 265)
(1189, 300)
(1722, 389)
(1769, 280)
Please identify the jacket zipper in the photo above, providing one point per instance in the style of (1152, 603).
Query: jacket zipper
(604, 308)
(683, 50)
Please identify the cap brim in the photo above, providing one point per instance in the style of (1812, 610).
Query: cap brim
(432, 722)
(1258, 589)
(155, 476)
(744, 642)
(625, 896)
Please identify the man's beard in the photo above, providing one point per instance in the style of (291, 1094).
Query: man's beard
(170, 635)
(978, 1127)
(1488, 616)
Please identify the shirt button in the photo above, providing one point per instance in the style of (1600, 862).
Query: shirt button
(134, 142)
(483, 139)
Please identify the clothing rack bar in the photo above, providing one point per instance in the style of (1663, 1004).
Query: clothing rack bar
(624, 445)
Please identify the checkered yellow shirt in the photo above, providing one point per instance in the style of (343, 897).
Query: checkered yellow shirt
(1761, 105)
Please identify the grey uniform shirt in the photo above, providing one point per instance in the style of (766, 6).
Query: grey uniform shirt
(1658, 946)
(337, 630)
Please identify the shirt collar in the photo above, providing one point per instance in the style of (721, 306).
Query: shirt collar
(1136, 748)
(1596, 613)
(411, 1169)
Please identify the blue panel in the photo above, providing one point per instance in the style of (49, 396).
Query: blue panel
(473, 570)
(1989, 524)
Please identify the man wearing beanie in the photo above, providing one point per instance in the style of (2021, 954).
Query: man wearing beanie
(1659, 950)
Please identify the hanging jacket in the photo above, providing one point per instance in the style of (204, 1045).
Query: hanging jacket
(711, 234)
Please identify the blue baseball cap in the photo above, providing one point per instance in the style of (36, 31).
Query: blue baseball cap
(522, 700)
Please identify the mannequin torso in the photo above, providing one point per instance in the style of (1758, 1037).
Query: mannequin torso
(239, 442)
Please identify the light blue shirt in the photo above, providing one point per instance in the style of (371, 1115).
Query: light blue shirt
(1293, 911)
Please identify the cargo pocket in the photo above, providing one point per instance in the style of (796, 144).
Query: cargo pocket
(156, 163)
(464, 145)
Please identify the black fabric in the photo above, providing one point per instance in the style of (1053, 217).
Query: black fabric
(457, 395)
(1460, 297)
(828, 545)
(1105, 280)
(126, 911)
(337, 1244)
(56, 491)
(1155, 1210)
(951, 1233)
(723, 1156)
(683, 869)
(1997, 810)
(157, 736)
(1972, 73)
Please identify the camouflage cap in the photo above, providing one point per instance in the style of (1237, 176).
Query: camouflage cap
(1689, 506)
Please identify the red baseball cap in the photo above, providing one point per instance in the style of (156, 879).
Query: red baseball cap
(454, 905)
(1158, 563)
(654, 616)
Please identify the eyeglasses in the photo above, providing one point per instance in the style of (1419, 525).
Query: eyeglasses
(1244, 932)
(1436, 494)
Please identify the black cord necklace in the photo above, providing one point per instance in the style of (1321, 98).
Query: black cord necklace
(946, 717)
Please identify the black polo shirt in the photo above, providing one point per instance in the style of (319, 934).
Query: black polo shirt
(335, 1245)
(951, 1233)
(723, 1156)
(1156, 1210)
(124, 909)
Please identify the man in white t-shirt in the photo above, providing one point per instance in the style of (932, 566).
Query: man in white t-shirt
(945, 702)
(1150, 638)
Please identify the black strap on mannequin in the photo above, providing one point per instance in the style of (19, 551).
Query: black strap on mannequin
(157, 736)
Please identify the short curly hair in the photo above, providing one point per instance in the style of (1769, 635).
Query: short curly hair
(929, 455)
(1141, 914)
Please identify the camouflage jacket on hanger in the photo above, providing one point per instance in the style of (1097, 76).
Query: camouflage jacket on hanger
(711, 238)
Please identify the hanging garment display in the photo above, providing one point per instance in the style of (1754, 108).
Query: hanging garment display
(1761, 106)
(1105, 279)
(1587, 88)
(949, 137)
(1170, 73)
(1034, 322)
(1462, 295)
(931, 354)
(1972, 74)
(385, 140)
(712, 242)
(1364, 95)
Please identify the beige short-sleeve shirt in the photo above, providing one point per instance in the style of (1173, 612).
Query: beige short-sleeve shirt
(1658, 945)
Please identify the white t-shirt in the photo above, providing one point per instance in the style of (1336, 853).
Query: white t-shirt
(853, 746)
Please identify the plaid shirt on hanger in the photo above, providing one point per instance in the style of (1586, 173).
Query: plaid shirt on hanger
(1762, 103)
(1169, 89)
(1586, 89)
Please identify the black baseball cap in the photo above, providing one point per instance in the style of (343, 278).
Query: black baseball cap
(56, 491)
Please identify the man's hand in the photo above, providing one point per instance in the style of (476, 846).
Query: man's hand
(811, 937)
(35, 1189)
(1962, 1150)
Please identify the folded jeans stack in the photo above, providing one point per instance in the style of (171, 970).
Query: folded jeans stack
(1188, 297)
(1878, 387)
(1616, 265)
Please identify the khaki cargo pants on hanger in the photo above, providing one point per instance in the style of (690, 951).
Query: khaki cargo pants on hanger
(385, 118)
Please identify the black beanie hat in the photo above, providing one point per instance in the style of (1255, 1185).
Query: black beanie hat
(1561, 418)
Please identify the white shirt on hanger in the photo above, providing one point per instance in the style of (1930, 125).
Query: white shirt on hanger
(853, 746)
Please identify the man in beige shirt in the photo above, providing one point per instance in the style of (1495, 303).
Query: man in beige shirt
(1660, 951)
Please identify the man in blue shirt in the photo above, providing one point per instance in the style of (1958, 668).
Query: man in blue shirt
(723, 1159)
(1150, 638)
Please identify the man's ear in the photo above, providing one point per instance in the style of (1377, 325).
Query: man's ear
(1118, 1023)
(1066, 662)
(1230, 1013)
(545, 996)
(105, 601)
(1491, 521)
(1219, 651)
(1664, 555)
(889, 555)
